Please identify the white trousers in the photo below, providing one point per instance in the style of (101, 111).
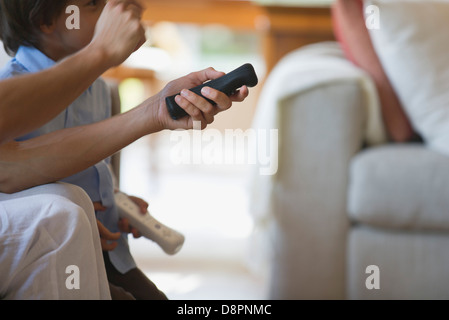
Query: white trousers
(49, 245)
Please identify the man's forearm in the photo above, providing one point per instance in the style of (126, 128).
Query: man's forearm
(37, 98)
(57, 155)
(29, 101)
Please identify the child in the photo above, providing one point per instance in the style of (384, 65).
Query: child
(37, 34)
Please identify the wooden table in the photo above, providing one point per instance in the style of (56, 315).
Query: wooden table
(283, 28)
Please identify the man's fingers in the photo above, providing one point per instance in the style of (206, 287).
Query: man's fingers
(208, 74)
(189, 101)
(142, 40)
(137, 10)
(135, 6)
(137, 3)
(223, 102)
(240, 94)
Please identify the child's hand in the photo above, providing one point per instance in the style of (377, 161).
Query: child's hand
(123, 223)
(107, 238)
(196, 106)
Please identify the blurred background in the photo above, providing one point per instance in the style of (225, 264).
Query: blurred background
(341, 203)
(208, 203)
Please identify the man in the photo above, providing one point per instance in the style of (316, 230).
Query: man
(48, 234)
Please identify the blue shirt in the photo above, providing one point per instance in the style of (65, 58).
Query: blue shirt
(92, 106)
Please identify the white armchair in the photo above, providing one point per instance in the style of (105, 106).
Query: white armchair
(344, 198)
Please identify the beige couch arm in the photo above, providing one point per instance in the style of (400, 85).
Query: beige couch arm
(321, 127)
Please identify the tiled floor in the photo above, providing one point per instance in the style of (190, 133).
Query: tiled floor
(209, 206)
(202, 279)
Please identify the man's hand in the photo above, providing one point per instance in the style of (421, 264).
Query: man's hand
(196, 106)
(119, 31)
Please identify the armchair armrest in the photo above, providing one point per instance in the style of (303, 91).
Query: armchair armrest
(322, 122)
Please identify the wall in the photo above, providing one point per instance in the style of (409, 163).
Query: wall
(3, 56)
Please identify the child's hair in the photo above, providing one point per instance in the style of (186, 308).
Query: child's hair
(20, 21)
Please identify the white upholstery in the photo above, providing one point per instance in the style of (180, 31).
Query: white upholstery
(338, 204)
(400, 186)
(43, 231)
(412, 45)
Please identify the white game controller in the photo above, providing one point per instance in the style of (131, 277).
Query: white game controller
(168, 239)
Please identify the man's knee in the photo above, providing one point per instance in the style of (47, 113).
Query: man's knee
(73, 193)
(69, 191)
(49, 232)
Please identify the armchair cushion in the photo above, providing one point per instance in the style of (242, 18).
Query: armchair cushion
(412, 46)
(400, 186)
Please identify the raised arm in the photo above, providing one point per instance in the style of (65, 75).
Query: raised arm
(29, 101)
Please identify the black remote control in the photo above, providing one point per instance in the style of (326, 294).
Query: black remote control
(244, 75)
